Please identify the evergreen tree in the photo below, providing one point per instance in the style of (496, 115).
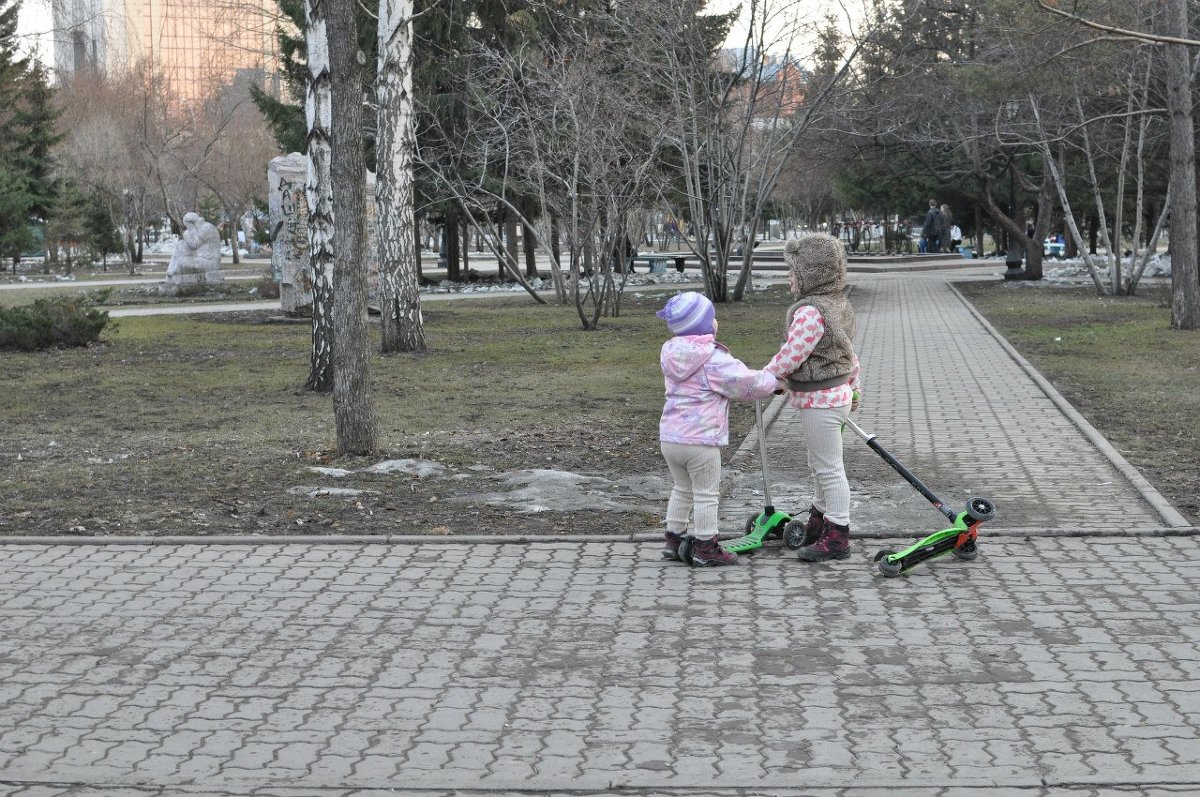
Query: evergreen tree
(100, 230)
(67, 225)
(16, 203)
(16, 200)
(285, 113)
(32, 136)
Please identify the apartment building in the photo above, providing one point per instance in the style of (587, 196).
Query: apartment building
(197, 44)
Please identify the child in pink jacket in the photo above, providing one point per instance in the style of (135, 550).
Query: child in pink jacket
(701, 376)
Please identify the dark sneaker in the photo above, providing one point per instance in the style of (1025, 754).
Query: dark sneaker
(709, 553)
(834, 543)
(670, 550)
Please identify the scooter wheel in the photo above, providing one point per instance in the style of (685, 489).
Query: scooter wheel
(793, 535)
(685, 551)
(981, 509)
(889, 568)
(749, 527)
(966, 552)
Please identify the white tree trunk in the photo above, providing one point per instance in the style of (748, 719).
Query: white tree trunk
(319, 192)
(400, 298)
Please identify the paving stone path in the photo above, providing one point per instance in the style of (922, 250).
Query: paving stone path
(1051, 665)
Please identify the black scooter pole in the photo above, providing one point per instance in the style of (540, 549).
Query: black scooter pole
(869, 439)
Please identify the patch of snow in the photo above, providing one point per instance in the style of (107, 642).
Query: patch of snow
(420, 468)
(313, 492)
(544, 490)
(1075, 268)
(336, 473)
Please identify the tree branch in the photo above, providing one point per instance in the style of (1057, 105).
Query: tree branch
(1153, 38)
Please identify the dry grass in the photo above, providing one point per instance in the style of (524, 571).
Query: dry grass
(1119, 362)
(199, 424)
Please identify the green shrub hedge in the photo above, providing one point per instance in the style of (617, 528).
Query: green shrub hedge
(51, 323)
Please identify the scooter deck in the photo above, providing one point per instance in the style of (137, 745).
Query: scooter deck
(764, 526)
(958, 538)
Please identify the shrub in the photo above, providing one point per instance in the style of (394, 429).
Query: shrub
(51, 323)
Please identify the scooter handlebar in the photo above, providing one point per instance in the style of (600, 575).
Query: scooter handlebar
(858, 430)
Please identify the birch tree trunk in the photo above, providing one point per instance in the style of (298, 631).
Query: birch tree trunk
(352, 408)
(400, 299)
(318, 190)
(1185, 293)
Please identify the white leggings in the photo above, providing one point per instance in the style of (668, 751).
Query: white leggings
(697, 474)
(823, 435)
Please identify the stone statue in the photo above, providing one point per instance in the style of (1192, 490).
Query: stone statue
(197, 258)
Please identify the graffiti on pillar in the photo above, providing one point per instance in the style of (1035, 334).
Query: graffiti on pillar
(288, 206)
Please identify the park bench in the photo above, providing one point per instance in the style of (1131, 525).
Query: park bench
(657, 263)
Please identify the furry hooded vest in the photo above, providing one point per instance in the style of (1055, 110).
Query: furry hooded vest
(819, 263)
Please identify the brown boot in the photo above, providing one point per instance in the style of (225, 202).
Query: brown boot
(812, 529)
(709, 553)
(834, 543)
(670, 550)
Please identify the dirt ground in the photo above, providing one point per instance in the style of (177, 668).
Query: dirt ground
(199, 425)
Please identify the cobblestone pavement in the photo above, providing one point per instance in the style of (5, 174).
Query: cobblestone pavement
(577, 666)
(1051, 665)
(947, 400)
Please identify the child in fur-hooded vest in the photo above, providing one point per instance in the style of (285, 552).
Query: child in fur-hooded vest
(817, 263)
(818, 362)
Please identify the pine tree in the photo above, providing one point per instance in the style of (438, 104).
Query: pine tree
(16, 199)
(285, 114)
(16, 203)
(32, 136)
(100, 231)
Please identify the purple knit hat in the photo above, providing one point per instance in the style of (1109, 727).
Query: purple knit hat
(689, 313)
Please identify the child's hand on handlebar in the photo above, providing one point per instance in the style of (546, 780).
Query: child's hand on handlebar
(855, 401)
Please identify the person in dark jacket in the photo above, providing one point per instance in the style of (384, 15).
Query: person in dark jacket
(932, 231)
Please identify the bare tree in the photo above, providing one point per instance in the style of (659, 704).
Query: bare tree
(1185, 271)
(565, 136)
(400, 300)
(121, 140)
(1185, 279)
(231, 156)
(1075, 132)
(353, 411)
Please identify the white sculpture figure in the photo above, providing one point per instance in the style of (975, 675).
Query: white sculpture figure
(197, 256)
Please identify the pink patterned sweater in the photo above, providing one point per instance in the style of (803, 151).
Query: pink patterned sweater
(807, 328)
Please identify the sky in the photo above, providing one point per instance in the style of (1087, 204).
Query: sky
(34, 26)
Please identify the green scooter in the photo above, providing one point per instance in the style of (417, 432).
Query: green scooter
(768, 522)
(959, 539)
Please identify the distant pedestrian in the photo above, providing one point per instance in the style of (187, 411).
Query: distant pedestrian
(955, 237)
(932, 229)
(818, 363)
(700, 376)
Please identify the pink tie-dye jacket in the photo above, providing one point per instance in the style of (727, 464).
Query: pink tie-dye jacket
(701, 376)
